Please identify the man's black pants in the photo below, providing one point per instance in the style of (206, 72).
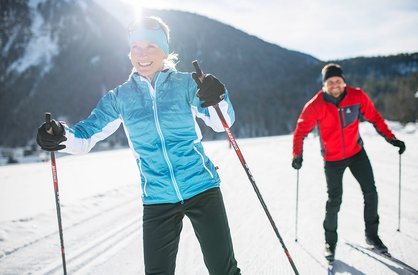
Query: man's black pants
(162, 224)
(361, 169)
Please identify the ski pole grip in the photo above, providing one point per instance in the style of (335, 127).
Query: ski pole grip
(201, 76)
(199, 73)
(197, 68)
(48, 123)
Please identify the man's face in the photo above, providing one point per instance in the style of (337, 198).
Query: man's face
(147, 58)
(334, 86)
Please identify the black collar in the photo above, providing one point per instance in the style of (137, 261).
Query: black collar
(334, 100)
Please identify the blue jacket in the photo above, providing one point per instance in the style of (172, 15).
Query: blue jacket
(159, 120)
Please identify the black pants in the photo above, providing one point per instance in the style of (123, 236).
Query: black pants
(361, 169)
(162, 224)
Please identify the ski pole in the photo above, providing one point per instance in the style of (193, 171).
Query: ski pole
(247, 170)
(297, 203)
(57, 197)
(399, 197)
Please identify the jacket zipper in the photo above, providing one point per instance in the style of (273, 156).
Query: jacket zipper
(341, 113)
(160, 133)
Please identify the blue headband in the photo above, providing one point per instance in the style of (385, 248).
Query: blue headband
(154, 36)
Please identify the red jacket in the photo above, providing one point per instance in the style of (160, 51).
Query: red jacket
(338, 126)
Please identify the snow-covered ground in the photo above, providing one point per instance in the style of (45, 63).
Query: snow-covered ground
(102, 212)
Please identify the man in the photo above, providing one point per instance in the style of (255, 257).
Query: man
(336, 109)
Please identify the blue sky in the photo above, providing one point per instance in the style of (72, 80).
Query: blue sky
(326, 29)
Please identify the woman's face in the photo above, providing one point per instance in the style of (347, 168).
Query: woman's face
(147, 58)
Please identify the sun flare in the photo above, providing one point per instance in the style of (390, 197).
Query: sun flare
(139, 5)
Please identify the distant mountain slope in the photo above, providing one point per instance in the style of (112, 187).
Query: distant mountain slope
(61, 56)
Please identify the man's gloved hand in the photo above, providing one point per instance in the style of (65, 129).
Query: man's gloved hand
(398, 143)
(297, 162)
(50, 140)
(211, 91)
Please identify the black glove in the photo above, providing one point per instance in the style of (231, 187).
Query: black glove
(297, 162)
(398, 143)
(211, 91)
(51, 142)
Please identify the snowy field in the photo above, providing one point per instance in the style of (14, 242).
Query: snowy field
(102, 212)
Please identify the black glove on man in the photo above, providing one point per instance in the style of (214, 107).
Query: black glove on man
(211, 91)
(297, 162)
(51, 142)
(398, 143)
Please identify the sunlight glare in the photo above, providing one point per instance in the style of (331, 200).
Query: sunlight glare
(139, 5)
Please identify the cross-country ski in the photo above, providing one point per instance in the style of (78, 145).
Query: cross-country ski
(378, 255)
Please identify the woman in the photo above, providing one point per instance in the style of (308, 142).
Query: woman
(158, 107)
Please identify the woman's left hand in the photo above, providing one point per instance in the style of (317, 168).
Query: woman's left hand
(211, 91)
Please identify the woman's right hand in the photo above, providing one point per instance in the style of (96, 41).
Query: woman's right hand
(50, 139)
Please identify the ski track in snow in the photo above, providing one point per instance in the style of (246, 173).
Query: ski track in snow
(102, 213)
(86, 239)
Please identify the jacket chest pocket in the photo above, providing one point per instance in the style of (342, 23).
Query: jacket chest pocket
(349, 114)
